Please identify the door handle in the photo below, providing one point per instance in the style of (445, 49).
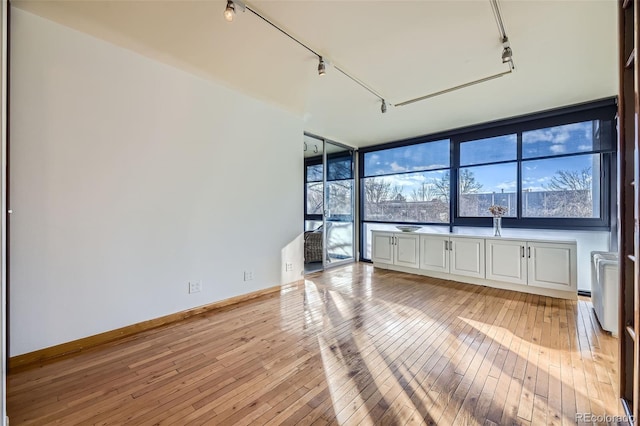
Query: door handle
(522, 250)
(451, 245)
(446, 245)
(529, 252)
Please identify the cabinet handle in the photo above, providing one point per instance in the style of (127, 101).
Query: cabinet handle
(451, 245)
(396, 240)
(529, 252)
(522, 250)
(446, 245)
(390, 241)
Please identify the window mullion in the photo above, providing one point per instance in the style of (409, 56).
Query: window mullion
(519, 194)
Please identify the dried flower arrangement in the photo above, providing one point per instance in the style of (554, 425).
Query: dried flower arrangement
(498, 211)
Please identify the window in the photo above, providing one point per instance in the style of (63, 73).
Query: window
(488, 175)
(568, 139)
(556, 176)
(314, 190)
(562, 187)
(408, 184)
(565, 184)
(339, 183)
(552, 170)
(489, 150)
(480, 187)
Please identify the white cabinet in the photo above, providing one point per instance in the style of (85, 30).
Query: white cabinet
(552, 265)
(467, 256)
(382, 247)
(539, 264)
(506, 261)
(434, 253)
(406, 250)
(538, 267)
(393, 248)
(455, 255)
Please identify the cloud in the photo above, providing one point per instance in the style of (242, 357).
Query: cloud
(507, 185)
(558, 135)
(431, 167)
(558, 149)
(397, 168)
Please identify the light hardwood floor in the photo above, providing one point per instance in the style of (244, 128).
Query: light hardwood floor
(355, 345)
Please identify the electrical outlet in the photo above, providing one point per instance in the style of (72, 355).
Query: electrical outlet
(195, 287)
(288, 267)
(248, 275)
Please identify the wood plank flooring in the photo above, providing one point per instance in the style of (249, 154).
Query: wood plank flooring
(354, 345)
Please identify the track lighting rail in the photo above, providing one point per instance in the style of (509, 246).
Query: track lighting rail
(507, 54)
(453, 89)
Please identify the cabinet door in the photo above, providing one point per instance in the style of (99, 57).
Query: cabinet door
(406, 250)
(506, 261)
(552, 265)
(466, 256)
(434, 253)
(382, 247)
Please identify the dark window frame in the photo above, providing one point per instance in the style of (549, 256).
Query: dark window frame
(362, 178)
(310, 161)
(315, 161)
(601, 223)
(604, 109)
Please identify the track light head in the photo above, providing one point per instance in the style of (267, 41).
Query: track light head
(507, 54)
(322, 70)
(230, 11)
(383, 107)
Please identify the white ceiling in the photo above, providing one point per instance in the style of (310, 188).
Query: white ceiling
(565, 53)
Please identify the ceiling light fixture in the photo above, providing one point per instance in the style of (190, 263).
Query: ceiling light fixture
(507, 53)
(321, 66)
(383, 107)
(232, 7)
(229, 11)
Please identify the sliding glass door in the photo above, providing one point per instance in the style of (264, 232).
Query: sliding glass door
(339, 204)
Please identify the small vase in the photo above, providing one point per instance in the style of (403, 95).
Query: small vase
(497, 226)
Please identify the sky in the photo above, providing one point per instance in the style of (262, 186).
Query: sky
(536, 173)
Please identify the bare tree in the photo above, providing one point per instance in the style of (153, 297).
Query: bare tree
(466, 182)
(571, 180)
(568, 194)
(315, 197)
(378, 190)
(378, 194)
(424, 193)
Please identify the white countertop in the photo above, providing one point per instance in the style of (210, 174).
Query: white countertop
(488, 235)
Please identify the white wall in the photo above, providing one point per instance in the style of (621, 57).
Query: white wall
(128, 178)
